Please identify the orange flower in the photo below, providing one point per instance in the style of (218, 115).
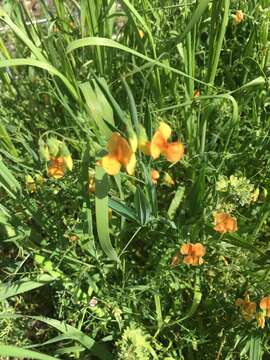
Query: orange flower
(247, 307)
(260, 320)
(173, 152)
(265, 305)
(154, 176)
(224, 223)
(193, 253)
(56, 168)
(238, 17)
(120, 154)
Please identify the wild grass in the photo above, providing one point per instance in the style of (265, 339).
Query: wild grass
(86, 259)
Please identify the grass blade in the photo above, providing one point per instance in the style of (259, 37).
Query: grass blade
(14, 351)
(102, 216)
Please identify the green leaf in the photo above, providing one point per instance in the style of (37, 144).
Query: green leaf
(102, 216)
(70, 332)
(133, 109)
(98, 108)
(197, 297)
(142, 207)
(176, 201)
(98, 41)
(42, 65)
(202, 6)
(8, 290)
(14, 351)
(123, 210)
(255, 351)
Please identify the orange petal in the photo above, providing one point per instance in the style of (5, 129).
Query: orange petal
(189, 260)
(165, 130)
(174, 152)
(265, 303)
(186, 249)
(55, 172)
(124, 152)
(199, 249)
(111, 165)
(113, 144)
(157, 145)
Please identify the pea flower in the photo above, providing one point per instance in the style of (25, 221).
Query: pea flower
(193, 253)
(56, 168)
(173, 151)
(224, 223)
(119, 154)
(155, 176)
(265, 305)
(168, 180)
(247, 308)
(238, 17)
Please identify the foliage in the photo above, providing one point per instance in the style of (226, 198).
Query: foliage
(92, 258)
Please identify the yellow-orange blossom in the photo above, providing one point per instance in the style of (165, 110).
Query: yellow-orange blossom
(173, 151)
(119, 154)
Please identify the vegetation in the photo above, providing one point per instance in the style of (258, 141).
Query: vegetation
(134, 179)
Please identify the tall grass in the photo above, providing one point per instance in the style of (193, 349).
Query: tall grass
(79, 71)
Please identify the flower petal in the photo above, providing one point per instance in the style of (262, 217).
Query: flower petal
(165, 130)
(157, 145)
(174, 152)
(111, 165)
(130, 167)
(198, 249)
(186, 249)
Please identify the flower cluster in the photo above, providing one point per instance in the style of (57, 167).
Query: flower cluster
(121, 153)
(57, 155)
(237, 189)
(248, 309)
(192, 254)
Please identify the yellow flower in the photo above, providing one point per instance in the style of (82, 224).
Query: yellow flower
(173, 151)
(238, 17)
(119, 154)
(168, 180)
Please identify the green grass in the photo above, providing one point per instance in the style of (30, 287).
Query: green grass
(84, 72)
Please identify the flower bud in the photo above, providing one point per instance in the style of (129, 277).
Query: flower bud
(53, 145)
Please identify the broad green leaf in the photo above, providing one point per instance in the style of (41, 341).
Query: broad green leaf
(8, 290)
(95, 108)
(123, 210)
(102, 216)
(17, 352)
(142, 207)
(176, 201)
(42, 65)
(255, 351)
(197, 297)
